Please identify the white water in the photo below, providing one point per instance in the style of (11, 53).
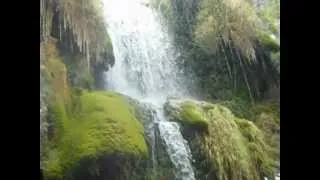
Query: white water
(145, 69)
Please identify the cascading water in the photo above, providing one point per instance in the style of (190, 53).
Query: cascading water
(145, 69)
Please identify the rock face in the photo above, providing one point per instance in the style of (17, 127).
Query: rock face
(226, 147)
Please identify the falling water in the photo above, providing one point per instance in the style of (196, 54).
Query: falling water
(145, 69)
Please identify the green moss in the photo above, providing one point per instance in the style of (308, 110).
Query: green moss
(225, 146)
(232, 148)
(267, 117)
(276, 56)
(112, 112)
(262, 154)
(103, 125)
(268, 41)
(270, 107)
(238, 105)
(60, 119)
(193, 114)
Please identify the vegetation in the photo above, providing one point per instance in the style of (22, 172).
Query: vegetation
(81, 127)
(229, 47)
(264, 114)
(192, 114)
(231, 148)
(225, 20)
(79, 26)
(226, 45)
(187, 112)
(54, 72)
(270, 15)
(102, 125)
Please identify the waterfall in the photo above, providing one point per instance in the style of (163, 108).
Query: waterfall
(145, 69)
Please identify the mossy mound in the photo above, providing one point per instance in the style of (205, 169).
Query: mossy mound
(268, 41)
(192, 114)
(262, 154)
(187, 112)
(267, 117)
(231, 148)
(103, 124)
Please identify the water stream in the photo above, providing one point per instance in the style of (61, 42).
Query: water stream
(145, 69)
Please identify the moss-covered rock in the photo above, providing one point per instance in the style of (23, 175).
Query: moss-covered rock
(231, 148)
(267, 117)
(262, 153)
(275, 57)
(269, 41)
(102, 126)
(187, 112)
